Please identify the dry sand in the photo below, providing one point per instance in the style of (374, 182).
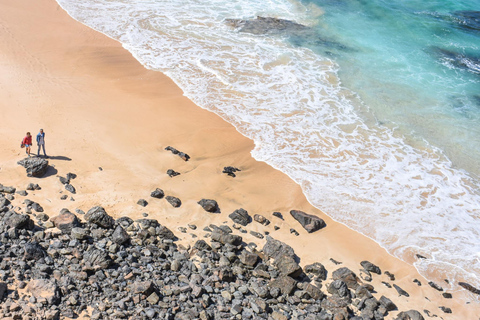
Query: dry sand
(100, 108)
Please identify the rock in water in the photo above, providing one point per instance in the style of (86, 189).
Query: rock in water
(36, 167)
(209, 205)
(98, 216)
(240, 216)
(309, 222)
(469, 287)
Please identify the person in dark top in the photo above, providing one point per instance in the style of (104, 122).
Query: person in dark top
(41, 142)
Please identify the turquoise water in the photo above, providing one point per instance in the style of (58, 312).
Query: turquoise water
(415, 64)
(373, 110)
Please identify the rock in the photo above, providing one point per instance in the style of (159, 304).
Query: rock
(278, 215)
(165, 233)
(240, 216)
(261, 219)
(143, 287)
(36, 167)
(347, 276)
(3, 290)
(202, 245)
(435, 286)
(226, 275)
(35, 206)
(285, 283)
(158, 193)
(174, 201)
(125, 221)
(257, 234)
(34, 251)
(362, 292)
(390, 275)
(142, 202)
(309, 222)
(45, 289)
(23, 193)
(469, 287)
(445, 309)
(9, 190)
(278, 315)
(172, 173)
(98, 216)
(417, 282)
(313, 291)
(387, 303)
(153, 298)
(209, 205)
(370, 267)
(287, 265)
(96, 259)
(182, 155)
(63, 180)
(275, 248)
(317, 269)
(230, 171)
(226, 238)
(447, 295)
(70, 188)
(339, 288)
(79, 233)
(410, 315)
(65, 221)
(248, 258)
(33, 186)
(400, 291)
(120, 236)
(18, 221)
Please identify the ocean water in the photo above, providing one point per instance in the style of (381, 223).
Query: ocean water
(373, 107)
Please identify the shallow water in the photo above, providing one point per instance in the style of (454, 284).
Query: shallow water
(354, 123)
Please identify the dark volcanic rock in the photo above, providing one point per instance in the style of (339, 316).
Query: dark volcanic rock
(65, 221)
(387, 303)
(435, 286)
(34, 251)
(230, 171)
(445, 309)
(240, 216)
(158, 193)
(285, 283)
(45, 289)
(224, 238)
(172, 173)
(165, 233)
(248, 258)
(401, 291)
(469, 287)
(317, 269)
(143, 287)
(3, 290)
(96, 259)
(70, 188)
(182, 155)
(347, 276)
(278, 215)
(410, 315)
(256, 234)
(309, 222)
(265, 25)
(98, 216)
(287, 265)
(370, 267)
(18, 221)
(120, 236)
(36, 167)
(174, 201)
(142, 202)
(63, 180)
(261, 219)
(275, 248)
(209, 205)
(33, 186)
(202, 245)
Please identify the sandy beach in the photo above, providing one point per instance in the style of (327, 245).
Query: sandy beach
(108, 120)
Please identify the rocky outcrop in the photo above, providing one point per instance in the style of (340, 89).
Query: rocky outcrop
(240, 216)
(36, 167)
(309, 222)
(99, 216)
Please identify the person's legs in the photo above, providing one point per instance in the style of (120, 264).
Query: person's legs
(38, 152)
(28, 150)
(43, 146)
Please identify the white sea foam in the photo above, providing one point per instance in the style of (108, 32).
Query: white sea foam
(289, 101)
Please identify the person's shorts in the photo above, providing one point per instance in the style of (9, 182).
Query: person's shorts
(28, 145)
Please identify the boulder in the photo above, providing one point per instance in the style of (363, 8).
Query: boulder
(370, 267)
(158, 193)
(274, 248)
(469, 287)
(18, 221)
(34, 251)
(287, 265)
(174, 201)
(96, 259)
(79, 233)
(313, 291)
(209, 205)
(339, 288)
(98, 216)
(435, 286)
(202, 245)
(347, 276)
(387, 303)
(172, 173)
(309, 222)
(240, 216)
(36, 167)
(316, 269)
(248, 258)
(65, 221)
(142, 202)
(46, 289)
(285, 283)
(400, 291)
(70, 188)
(143, 287)
(230, 171)
(33, 186)
(165, 233)
(120, 236)
(226, 238)
(261, 219)
(410, 315)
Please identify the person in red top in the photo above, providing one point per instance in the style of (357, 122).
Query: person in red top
(27, 141)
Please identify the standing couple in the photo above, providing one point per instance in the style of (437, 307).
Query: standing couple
(27, 143)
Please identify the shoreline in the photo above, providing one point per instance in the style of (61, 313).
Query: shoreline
(78, 81)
